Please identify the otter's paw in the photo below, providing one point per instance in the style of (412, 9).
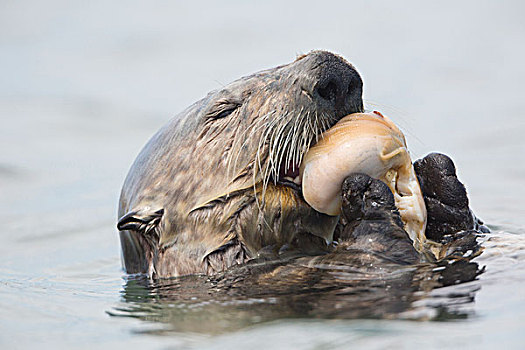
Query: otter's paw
(365, 198)
(370, 220)
(445, 197)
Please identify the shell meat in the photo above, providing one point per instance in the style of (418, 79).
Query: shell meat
(372, 144)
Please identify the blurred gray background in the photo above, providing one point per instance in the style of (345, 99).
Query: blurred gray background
(84, 84)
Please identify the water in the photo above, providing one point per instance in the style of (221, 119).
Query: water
(85, 84)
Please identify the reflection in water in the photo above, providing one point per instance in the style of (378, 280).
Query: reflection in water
(351, 285)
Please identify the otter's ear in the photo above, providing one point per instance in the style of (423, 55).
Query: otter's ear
(144, 220)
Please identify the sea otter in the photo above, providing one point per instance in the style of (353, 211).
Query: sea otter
(220, 183)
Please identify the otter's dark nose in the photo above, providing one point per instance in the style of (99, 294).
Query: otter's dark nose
(337, 85)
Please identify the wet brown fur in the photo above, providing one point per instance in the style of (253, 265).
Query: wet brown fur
(212, 172)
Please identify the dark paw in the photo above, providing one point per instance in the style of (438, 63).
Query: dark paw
(445, 197)
(365, 198)
(370, 220)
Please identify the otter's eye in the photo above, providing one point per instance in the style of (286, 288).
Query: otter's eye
(222, 109)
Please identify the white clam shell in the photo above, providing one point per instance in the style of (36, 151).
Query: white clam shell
(366, 143)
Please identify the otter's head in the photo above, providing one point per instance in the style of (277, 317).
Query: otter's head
(250, 138)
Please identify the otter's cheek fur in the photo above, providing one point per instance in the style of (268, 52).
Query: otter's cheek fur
(366, 143)
(286, 219)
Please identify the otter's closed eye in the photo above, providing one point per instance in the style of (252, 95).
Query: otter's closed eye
(222, 109)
